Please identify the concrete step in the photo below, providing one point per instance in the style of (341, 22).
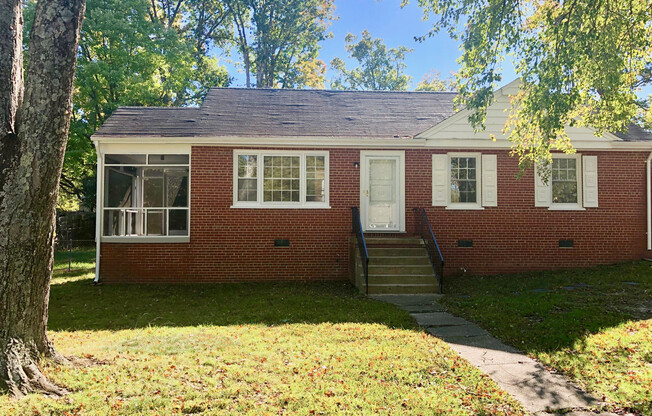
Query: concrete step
(402, 289)
(393, 241)
(420, 279)
(395, 251)
(402, 269)
(396, 260)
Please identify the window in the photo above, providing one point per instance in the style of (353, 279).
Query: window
(146, 195)
(280, 179)
(564, 179)
(247, 178)
(464, 180)
(571, 185)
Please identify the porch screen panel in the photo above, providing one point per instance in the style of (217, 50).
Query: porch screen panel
(140, 200)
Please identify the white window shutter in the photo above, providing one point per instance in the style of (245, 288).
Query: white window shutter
(590, 181)
(542, 191)
(489, 181)
(439, 180)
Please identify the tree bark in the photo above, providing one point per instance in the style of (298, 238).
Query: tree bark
(32, 144)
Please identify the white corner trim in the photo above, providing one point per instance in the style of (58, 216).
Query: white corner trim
(99, 193)
(648, 200)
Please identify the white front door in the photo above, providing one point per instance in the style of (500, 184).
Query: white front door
(382, 193)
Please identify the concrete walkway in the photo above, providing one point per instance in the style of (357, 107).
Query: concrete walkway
(540, 391)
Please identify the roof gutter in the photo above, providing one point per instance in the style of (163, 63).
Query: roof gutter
(649, 202)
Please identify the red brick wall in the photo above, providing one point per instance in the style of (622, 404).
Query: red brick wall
(516, 236)
(228, 245)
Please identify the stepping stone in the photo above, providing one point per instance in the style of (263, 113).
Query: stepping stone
(540, 290)
(407, 300)
(538, 389)
(484, 342)
(438, 319)
(631, 283)
(433, 307)
(486, 350)
(464, 331)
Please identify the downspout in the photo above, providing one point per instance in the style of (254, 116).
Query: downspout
(649, 203)
(98, 211)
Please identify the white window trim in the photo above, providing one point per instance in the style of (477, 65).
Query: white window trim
(102, 208)
(578, 176)
(260, 204)
(477, 205)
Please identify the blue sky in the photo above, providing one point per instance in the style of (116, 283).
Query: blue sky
(397, 26)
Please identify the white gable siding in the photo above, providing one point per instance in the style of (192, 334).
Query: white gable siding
(458, 128)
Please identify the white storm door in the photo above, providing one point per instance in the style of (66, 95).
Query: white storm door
(382, 193)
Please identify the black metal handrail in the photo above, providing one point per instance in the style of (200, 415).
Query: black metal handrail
(362, 245)
(428, 237)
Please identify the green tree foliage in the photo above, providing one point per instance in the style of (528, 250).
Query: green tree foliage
(378, 68)
(279, 40)
(581, 63)
(432, 81)
(137, 52)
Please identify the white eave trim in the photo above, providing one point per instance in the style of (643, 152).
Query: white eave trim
(241, 141)
(488, 144)
(604, 143)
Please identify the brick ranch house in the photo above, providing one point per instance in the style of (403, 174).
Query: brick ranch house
(260, 184)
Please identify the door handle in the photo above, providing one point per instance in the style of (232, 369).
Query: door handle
(367, 192)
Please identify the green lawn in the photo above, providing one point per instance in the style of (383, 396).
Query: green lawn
(591, 324)
(247, 349)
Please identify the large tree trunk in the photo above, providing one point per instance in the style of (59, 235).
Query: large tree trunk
(33, 135)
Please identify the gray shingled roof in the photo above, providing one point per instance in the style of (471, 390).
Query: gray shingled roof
(634, 133)
(277, 113)
(240, 112)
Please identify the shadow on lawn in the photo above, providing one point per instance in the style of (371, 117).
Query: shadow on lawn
(546, 311)
(78, 305)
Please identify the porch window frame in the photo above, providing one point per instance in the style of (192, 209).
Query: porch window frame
(260, 177)
(102, 179)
